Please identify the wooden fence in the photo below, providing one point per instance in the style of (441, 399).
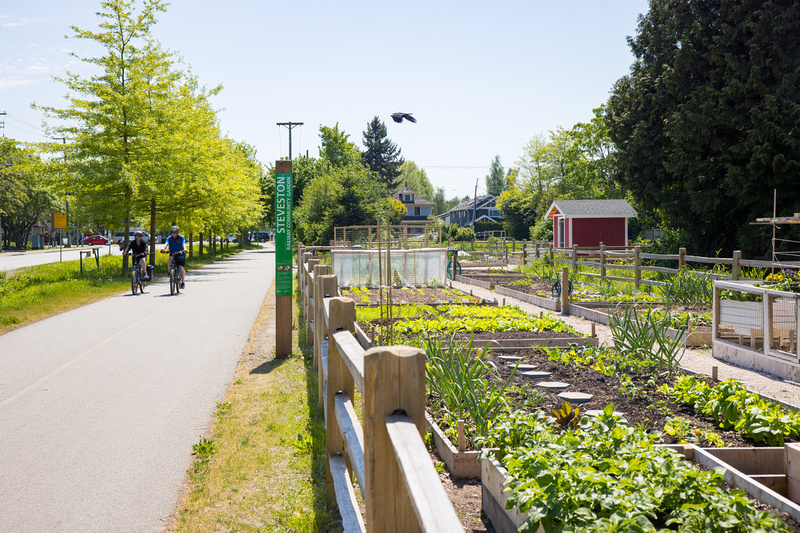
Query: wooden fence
(630, 258)
(395, 475)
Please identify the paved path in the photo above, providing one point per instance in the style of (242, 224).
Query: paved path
(697, 360)
(100, 406)
(12, 260)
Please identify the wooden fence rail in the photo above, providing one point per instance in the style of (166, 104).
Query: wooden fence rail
(387, 456)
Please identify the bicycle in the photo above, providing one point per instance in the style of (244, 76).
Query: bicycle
(175, 279)
(556, 291)
(137, 276)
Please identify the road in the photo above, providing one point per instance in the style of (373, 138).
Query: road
(12, 260)
(100, 406)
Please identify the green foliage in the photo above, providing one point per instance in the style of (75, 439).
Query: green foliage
(566, 417)
(646, 336)
(679, 320)
(496, 181)
(381, 155)
(466, 386)
(688, 287)
(24, 196)
(733, 407)
(608, 476)
(417, 180)
(706, 121)
(542, 231)
(474, 319)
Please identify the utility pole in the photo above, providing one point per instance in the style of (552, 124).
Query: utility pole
(3, 124)
(475, 207)
(289, 126)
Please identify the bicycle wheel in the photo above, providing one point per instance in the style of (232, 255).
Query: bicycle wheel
(134, 281)
(172, 283)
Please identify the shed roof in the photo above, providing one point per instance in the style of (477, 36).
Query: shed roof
(590, 209)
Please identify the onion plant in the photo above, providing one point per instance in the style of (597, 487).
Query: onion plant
(646, 336)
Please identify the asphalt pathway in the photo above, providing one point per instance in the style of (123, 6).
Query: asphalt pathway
(100, 406)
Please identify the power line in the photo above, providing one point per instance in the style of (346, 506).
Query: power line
(290, 125)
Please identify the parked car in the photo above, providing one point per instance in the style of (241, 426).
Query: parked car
(262, 236)
(95, 239)
(119, 238)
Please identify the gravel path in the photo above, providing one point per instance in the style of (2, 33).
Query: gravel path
(696, 360)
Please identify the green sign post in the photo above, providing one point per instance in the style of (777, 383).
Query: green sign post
(283, 258)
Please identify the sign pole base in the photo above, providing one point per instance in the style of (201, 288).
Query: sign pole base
(283, 326)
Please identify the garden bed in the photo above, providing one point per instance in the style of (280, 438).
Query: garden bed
(407, 295)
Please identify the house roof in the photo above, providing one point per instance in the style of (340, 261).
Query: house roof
(463, 206)
(418, 200)
(590, 209)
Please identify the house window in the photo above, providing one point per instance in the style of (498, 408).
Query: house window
(560, 232)
(417, 211)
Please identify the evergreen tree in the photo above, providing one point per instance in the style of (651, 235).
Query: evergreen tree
(496, 180)
(706, 123)
(381, 155)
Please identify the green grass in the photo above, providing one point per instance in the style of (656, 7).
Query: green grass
(34, 293)
(267, 471)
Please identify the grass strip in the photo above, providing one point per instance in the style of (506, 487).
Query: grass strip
(267, 468)
(37, 292)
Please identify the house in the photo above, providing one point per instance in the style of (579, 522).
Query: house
(418, 208)
(483, 208)
(587, 223)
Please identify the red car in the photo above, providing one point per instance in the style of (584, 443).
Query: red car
(95, 239)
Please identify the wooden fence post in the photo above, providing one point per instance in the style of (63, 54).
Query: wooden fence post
(637, 265)
(405, 237)
(574, 257)
(328, 287)
(304, 283)
(536, 250)
(505, 252)
(524, 253)
(312, 263)
(550, 251)
(394, 380)
(736, 267)
(342, 316)
(565, 291)
(319, 311)
(681, 258)
(602, 263)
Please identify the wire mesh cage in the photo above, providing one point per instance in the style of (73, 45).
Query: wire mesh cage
(405, 236)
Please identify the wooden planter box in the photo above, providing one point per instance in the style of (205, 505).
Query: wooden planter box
(489, 285)
(547, 303)
(461, 464)
(771, 475)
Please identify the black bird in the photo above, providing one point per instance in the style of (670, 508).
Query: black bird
(398, 117)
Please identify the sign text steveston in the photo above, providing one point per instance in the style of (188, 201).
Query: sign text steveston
(283, 234)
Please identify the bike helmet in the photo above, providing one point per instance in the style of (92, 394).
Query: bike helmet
(137, 234)
(174, 228)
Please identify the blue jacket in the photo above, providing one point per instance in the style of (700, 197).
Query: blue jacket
(176, 244)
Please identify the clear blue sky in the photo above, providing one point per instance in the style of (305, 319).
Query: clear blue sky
(481, 77)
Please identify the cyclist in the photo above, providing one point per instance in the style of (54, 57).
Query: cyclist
(177, 243)
(138, 247)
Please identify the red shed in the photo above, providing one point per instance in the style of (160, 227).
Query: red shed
(587, 223)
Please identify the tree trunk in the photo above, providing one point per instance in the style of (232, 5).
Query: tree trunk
(191, 245)
(201, 245)
(153, 231)
(126, 237)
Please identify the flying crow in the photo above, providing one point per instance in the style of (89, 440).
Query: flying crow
(398, 117)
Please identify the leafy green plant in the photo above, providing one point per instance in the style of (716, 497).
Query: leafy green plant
(566, 416)
(647, 336)
(688, 287)
(607, 476)
(680, 428)
(466, 385)
(731, 406)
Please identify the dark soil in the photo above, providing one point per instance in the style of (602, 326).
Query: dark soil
(537, 286)
(643, 408)
(465, 495)
(412, 296)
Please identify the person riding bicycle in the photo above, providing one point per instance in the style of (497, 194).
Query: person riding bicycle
(176, 244)
(138, 247)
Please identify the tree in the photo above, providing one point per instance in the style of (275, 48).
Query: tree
(416, 179)
(496, 180)
(381, 155)
(24, 199)
(706, 122)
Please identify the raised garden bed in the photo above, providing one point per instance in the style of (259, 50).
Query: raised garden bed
(407, 295)
(763, 473)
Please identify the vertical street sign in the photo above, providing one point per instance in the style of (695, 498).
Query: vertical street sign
(283, 258)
